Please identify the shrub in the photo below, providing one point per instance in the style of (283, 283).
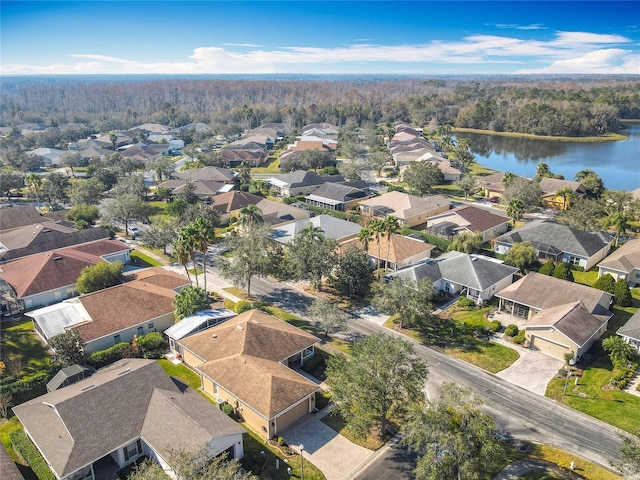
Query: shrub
(30, 453)
(622, 293)
(495, 326)
(105, 357)
(242, 306)
(547, 268)
(519, 338)
(228, 409)
(441, 243)
(466, 302)
(280, 440)
(623, 378)
(563, 271)
(151, 341)
(511, 330)
(27, 388)
(605, 283)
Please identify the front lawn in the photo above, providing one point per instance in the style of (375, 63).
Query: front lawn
(338, 424)
(22, 351)
(612, 406)
(585, 278)
(182, 373)
(139, 259)
(583, 468)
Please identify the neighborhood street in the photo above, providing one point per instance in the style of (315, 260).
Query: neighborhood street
(523, 414)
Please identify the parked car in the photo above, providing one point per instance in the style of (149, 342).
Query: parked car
(134, 231)
(494, 199)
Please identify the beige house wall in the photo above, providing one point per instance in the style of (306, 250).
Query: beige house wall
(289, 418)
(190, 359)
(538, 341)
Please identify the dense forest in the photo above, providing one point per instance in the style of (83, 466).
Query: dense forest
(578, 106)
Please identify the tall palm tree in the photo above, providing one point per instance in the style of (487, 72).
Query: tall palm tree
(582, 174)
(568, 197)
(35, 183)
(244, 173)
(620, 352)
(311, 232)
(391, 225)
(250, 214)
(620, 221)
(204, 235)
(365, 236)
(182, 255)
(187, 239)
(378, 230)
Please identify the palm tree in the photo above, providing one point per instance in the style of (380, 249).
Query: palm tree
(620, 352)
(244, 173)
(378, 230)
(250, 214)
(568, 197)
(187, 239)
(582, 174)
(515, 210)
(182, 255)
(311, 232)
(542, 171)
(365, 236)
(507, 178)
(619, 220)
(34, 182)
(391, 226)
(204, 235)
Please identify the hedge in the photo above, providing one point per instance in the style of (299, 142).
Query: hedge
(105, 357)
(27, 388)
(511, 330)
(441, 243)
(25, 447)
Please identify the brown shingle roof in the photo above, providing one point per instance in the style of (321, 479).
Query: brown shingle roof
(573, 320)
(234, 200)
(404, 205)
(123, 306)
(401, 247)
(15, 217)
(479, 219)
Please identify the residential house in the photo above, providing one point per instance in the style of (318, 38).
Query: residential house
(50, 277)
(234, 157)
(300, 182)
(117, 314)
(332, 228)
(229, 205)
(107, 141)
(149, 128)
(50, 156)
(43, 237)
(467, 219)
(277, 213)
(557, 242)
(449, 172)
(203, 189)
(550, 188)
(323, 129)
(408, 209)
(402, 250)
(630, 331)
(122, 413)
(143, 152)
(492, 184)
(475, 276)
(247, 362)
(337, 196)
(574, 315)
(69, 375)
(623, 263)
(9, 469)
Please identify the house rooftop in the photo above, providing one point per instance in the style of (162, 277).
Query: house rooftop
(552, 185)
(403, 206)
(573, 320)
(234, 200)
(477, 219)
(20, 216)
(632, 327)
(625, 259)
(332, 228)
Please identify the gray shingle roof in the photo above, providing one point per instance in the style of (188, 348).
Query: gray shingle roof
(332, 227)
(632, 327)
(624, 259)
(562, 237)
(79, 424)
(473, 271)
(338, 192)
(573, 320)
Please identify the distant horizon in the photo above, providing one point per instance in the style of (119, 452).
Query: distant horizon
(412, 38)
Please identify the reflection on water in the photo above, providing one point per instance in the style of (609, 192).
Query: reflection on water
(618, 163)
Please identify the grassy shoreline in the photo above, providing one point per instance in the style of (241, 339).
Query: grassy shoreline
(612, 137)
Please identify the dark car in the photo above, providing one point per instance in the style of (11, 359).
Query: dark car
(494, 199)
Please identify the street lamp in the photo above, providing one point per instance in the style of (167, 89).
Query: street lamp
(301, 462)
(572, 362)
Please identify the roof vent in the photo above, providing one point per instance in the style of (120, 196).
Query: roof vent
(88, 388)
(57, 257)
(125, 371)
(215, 335)
(240, 327)
(46, 230)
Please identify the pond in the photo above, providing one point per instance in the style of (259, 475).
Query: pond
(617, 163)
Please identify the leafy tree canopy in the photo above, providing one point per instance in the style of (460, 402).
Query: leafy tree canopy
(100, 276)
(189, 301)
(68, 348)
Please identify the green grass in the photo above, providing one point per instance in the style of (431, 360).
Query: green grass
(614, 407)
(237, 292)
(605, 138)
(142, 260)
(489, 356)
(6, 427)
(585, 278)
(21, 348)
(160, 207)
(273, 166)
(583, 468)
(182, 373)
(195, 271)
(338, 424)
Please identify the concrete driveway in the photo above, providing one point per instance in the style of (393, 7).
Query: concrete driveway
(532, 371)
(332, 453)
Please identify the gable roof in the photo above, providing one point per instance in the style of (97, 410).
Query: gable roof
(243, 355)
(478, 219)
(20, 216)
(542, 291)
(624, 259)
(472, 271)
(631, 329)
(401, 249)
(55, 269)
(573, 320)
(336, 192)
(276, 213)
(113, 309)
(38, 238)
(332, 227)
(79, 424)
(303, 178)
(561, 237)
(552, 185)
(207, 173)
(234, 200)
(403, 206)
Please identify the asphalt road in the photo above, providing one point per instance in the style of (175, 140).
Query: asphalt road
(523, 414)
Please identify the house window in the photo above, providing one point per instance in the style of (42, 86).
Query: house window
(116, 339)
(574, 261)
(132, 450)
(150, 326)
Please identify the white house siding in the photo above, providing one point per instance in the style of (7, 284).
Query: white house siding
(489, 292)
(124, 257)
(160, 324)
(49, 297)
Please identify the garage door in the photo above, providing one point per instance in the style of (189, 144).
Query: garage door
(549, 348)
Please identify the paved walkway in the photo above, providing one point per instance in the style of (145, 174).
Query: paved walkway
(532, 371)
(520, 468)
(332, 453)
(632, 386)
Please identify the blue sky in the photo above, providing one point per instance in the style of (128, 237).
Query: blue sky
(315, 37)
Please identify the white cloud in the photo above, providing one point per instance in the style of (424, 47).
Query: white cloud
(580, 52)
(533, 26)
(604, 61)
(249, 45)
